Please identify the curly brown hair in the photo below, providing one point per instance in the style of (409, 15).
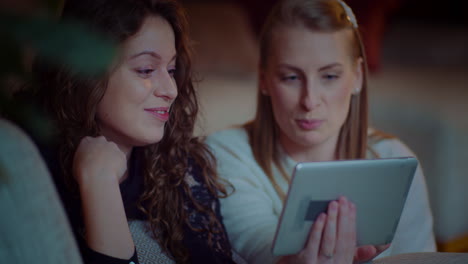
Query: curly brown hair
(72, 99)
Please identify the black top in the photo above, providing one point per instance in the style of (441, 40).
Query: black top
(131, 189)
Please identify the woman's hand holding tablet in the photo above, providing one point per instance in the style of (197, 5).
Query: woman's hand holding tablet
(333, 207)
(332, 238)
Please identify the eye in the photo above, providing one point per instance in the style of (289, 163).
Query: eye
(172, 72)
(145, 73)
(289, 78)
(330, 77)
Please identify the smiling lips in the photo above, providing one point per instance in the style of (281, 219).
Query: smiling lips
(309, 124)
(162, 113)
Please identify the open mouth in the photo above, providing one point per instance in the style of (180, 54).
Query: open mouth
(160, 113)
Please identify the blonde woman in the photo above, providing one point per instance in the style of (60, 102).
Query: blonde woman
(312, 106)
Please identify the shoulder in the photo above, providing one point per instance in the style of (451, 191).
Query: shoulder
(234, 158)
(237, 134)
(234, 141)
(386, 146)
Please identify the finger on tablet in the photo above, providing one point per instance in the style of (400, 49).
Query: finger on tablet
(329, 234)
(346, 227)
(315, 236)
(353, 222)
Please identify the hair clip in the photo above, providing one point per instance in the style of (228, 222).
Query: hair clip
(349, 13)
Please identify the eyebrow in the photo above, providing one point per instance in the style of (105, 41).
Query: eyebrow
(326, 67)
(291, 67)
(329, 66)
(150, 53)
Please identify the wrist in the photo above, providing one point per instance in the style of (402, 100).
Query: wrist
(98, 179)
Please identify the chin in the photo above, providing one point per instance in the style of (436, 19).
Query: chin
(154, 140)
(312, 139)
(148, 140)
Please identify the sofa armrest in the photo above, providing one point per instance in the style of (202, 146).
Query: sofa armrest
(33, 225)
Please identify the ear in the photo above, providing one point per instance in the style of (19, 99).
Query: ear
(262, 83)
(358, 77)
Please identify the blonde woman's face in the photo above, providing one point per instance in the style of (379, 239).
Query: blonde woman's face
(310, 78)
(141, 90)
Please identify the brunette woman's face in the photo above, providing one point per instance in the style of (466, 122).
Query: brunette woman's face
(140, 91)
(310, 78)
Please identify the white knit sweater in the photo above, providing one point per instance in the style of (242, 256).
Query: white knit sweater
(252, 211)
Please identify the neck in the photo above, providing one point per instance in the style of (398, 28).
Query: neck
(324, 151)
(127, 150)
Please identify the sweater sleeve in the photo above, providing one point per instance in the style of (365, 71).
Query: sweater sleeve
(248, 211)
(93, 257)
(415, 230)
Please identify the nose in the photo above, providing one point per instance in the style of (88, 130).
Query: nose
(310, 97)
(166, 87)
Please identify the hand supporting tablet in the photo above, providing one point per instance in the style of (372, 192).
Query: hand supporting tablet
(332, 238)
(377, 187)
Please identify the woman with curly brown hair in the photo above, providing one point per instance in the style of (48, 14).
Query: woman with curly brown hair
(132, 178)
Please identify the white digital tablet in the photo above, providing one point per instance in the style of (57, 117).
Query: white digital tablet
(377, 187)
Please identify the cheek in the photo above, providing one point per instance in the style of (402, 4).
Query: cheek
(141, 89)
(340, 101)
(284, 99)
(125, 87)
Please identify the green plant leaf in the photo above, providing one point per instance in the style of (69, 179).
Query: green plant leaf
(68, 43)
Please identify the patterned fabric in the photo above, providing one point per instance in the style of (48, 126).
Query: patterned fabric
(148, 248)
(200, 193)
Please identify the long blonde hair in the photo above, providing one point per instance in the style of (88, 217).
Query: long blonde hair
(321, 16)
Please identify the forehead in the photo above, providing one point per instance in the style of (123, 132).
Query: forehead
(300, 45)
(156, 35)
